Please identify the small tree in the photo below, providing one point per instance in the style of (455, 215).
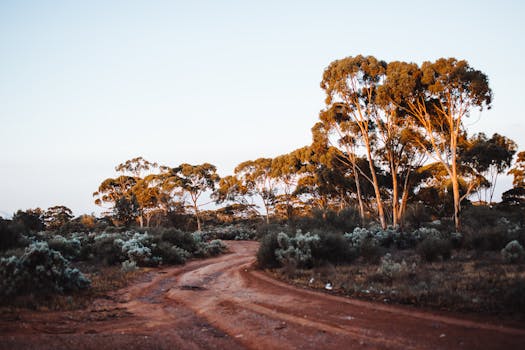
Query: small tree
(193, 180)
(57, 216)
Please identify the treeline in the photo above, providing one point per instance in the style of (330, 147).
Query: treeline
(392, 135)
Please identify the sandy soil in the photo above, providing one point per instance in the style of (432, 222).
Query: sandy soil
(223, 303)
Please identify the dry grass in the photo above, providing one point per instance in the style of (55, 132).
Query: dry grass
(482, 284)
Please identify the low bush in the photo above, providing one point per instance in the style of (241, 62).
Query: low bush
(69, 248)
(391, 269)
(213, 248)
(513, 252)
(333, 248)
(266, 257)
(8, 237)
(40, 270)
(296, 250)
(170, 254)
(432, 248)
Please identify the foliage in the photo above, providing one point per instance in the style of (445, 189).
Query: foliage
(332, 248)
(57, 216)
(390, 269)
(296, 250)
(513, 252)
(266, 257)
(40, 270)
(69, 248)
(9, 238)
(432, 247)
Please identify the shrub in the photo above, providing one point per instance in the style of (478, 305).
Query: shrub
(69, 248)
(212, 248)
(339, 221)
(137, 249)
(391, 269)
(105, 250)
(8, 237)
(431, 248)
(513, 252)
(296, 250)
(333, 248)
(129, 266)
(266, 257)
(184, 240)
(170, 254)
(40, 269)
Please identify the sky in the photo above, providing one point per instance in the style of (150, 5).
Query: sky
(86, 85)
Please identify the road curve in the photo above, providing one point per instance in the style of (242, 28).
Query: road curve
(223, 303)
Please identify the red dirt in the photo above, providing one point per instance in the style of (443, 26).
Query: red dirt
(223, 303)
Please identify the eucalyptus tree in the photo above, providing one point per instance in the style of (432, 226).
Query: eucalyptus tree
(136, 166)
(57, 216)
(287, 170)
(516, 195)
(444, 94)
(130, 195)
(351, 86)
(489, 158)
(192, 180)
(256, 179)
(118, 193)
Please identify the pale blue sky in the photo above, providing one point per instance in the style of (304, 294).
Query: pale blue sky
(87, 85)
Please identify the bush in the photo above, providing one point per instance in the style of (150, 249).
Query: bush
(137, 249)
(339, 221)
(69, 248)
(431, 248)
(513, 252)
(105, 250)
(391, 269)
(266, 257)
(333, 248)
(40, 269)
(183, 240)
(296, 250)
(8, 237)
(170, 254)
(212, 248)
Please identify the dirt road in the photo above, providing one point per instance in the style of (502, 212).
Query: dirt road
(222, 303)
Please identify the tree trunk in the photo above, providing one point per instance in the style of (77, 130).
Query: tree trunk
(395, 194)
(359, 197)
(380, 210)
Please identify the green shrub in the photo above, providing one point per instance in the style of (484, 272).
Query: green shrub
(266, 257)
(432, 248)
(333, 248)
(69, 248)
(391, 270)
(41, 270)
(170, 254)
(8, 237)
(296, 250)
(105, 250)
(208, 249)
(513, 252)
(183, 240)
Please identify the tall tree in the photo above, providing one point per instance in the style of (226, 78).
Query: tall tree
(445, 93)
(351, 84)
